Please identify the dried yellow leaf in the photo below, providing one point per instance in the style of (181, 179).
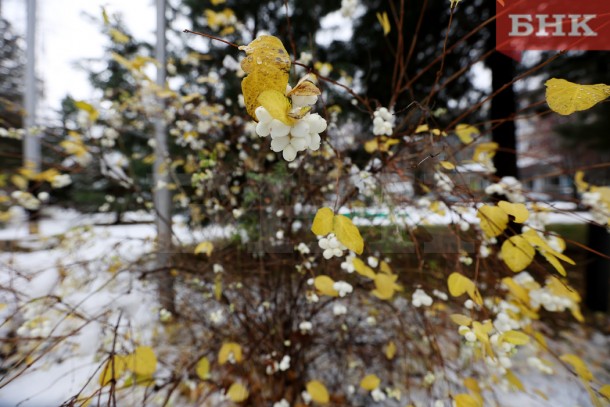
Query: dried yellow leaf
(267, 66)
(565, 97)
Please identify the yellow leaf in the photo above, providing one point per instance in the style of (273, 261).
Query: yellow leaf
(605, 391)
(555, 263)
(517, 210)
(461, 319)
(465, 133)
(204, 247)
(385, 286)
(517, 253)
(370, 382)
(218, 2)
(226, 350)
(493, 220)
(515, 337)
(516, 290)
(203, 368)
(348, 234)
(565, 97)
(324, 284)
(218, 287)
(87, 107)
(579, 181)
(459, 284)
(363, 269)
(305, 87)
(118, 36)
(466, 400)
(472, 385)
(422, 128)
(384, 20)
(277, 105)
(447, 165)
(514, 380)
(112, 370)
(371, 146)
(578, 365)
(323, 222)
(237, 393)
(390, 350)
(484, 152)
(267, 66)
(20, 182)
(318, 392)
(384, 267)
(142, 362)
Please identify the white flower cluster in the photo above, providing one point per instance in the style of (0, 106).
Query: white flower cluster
(443, 181)
(348, 8)
(26, 199)
(12, 132)
(536, 363)
(281, 403)
(550, 302)
(332, 246)
(348, 263)
(509, 187)
(343, 288)
(61, 180)
(303, 134)
(420, 298)
(467, 333)
(383, 122)
(598, 208)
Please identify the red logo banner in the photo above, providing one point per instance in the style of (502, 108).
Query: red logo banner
(548, 25)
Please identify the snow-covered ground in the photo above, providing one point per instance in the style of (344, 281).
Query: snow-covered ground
(81, 278)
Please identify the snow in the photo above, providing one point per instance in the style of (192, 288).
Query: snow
(103, 298)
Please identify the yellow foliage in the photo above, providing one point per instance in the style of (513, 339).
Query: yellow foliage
(267, 66)
(237, 393)
(517, 210)
(493, 220)
(578, 365)
(565, 97)
(318, 392)
(370, 382)
(465, 133)
(517, 253)
(324, 284)
(466, 400)
(204, 247)
(346, 232)
(142, 361)
(390, 350)
(203, 368)
(384, 20)
(227, 349)
(112, 370)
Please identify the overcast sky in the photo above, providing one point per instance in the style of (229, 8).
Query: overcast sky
(66, 35)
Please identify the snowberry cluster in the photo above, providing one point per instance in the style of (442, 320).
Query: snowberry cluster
(290, 139)
(509, 187)
(332, 246)
(421, 298)
(383, 122)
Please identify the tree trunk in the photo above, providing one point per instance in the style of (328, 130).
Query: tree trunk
(597, 274)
